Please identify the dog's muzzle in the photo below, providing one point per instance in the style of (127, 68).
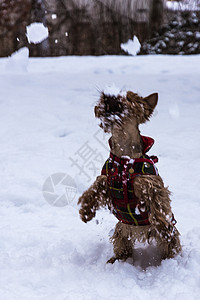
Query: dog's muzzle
(112, 105)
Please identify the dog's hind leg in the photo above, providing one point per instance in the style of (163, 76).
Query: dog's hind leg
(154, 197)
(174, 246)
(122, 244)
(170, 247)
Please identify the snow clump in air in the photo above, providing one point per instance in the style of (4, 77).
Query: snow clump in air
(132, 47)
(18, 61)
(36, 33)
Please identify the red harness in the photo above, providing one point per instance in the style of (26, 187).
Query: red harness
(121, 173)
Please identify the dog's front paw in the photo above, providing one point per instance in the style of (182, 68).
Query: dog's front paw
(86, 216)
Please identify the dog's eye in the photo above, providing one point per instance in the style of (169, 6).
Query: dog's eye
(128, 99)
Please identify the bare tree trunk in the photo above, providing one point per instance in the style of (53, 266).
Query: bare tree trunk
(38, 11)
(156, 15)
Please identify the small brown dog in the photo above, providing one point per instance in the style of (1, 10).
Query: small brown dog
(129, 184)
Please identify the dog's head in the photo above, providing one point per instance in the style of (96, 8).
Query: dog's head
(120, 109)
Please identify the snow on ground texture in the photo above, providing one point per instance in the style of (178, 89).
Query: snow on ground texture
(47, 121)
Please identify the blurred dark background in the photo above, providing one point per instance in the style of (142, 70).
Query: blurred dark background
(98, 27)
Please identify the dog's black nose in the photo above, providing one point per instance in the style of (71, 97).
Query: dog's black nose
(112, 105)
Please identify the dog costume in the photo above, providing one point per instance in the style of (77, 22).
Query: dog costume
(121, 172)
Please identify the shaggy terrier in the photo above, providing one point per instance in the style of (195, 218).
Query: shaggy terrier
(129, 184)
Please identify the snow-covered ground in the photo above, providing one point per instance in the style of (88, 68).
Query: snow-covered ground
(48, 127)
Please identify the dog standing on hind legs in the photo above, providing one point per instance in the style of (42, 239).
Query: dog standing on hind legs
(129, 184)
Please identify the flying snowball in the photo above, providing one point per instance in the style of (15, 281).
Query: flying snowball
(132, 46)
(36, 33)
(18, 61)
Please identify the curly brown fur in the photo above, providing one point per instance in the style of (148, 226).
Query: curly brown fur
(111, 109)
(140, 108)
(94, 198)
(121, 115)
(153, 196)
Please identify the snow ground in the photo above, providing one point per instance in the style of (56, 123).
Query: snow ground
(47, 121)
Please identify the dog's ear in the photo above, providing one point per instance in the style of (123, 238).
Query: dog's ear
(152, 100)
